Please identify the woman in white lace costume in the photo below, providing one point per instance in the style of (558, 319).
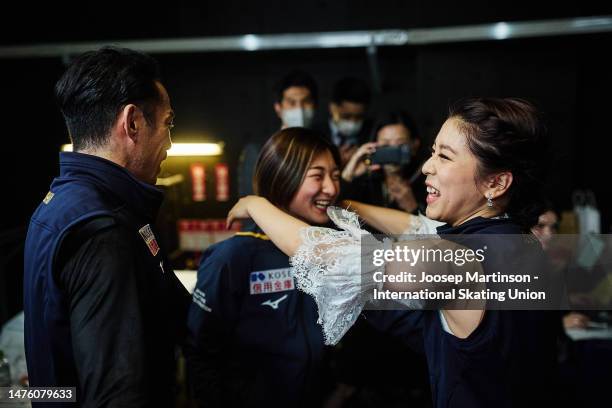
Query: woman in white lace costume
(481, 179)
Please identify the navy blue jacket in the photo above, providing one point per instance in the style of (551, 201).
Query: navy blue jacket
(253, 337)
(509, 360)
(103, 308)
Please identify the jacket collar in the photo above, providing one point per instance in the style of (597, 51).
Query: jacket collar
(143, 198)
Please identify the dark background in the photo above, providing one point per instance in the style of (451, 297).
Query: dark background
(228, 96)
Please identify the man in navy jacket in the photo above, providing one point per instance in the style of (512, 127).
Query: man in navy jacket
(103, 309)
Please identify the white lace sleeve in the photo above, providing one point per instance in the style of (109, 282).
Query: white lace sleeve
(327, 266)
(421, 225)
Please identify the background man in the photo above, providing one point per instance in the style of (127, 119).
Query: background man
(296, 100)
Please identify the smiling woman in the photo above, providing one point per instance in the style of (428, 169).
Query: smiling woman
(248, 325)
(453, 195)
(299, 171)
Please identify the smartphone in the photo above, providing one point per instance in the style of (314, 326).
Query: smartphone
(391, 155)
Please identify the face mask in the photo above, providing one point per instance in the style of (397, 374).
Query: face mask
(348, 127)
(297, 117)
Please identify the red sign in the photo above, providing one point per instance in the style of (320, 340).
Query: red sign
(198, 181)
(222, 181)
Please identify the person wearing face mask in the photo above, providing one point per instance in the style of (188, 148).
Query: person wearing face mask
(399, 186)
(347, 126)
(253, 336)
(296, 100)
(295, 104)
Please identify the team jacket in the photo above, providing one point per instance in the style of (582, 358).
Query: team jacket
(103, 308)
(254, 338)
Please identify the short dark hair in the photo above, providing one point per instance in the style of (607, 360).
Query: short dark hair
(98, 84)
(506, 134)
(284, 160)
(351, 90)
(297, 78)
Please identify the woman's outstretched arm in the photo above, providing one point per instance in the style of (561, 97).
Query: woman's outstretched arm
(282, 228)
(386, 220)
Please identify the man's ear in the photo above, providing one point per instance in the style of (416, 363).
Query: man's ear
(132, 121)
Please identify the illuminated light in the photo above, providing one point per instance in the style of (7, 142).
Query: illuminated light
(501, 31)
(196, 149)
(183, 149)
(250, 42)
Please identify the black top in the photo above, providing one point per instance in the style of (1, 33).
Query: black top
(508, 361)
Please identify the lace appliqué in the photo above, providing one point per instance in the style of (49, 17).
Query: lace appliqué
(327, 266)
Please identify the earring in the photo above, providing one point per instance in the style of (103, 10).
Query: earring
(489, 200)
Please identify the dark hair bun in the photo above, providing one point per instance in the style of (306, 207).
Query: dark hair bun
(505, 134)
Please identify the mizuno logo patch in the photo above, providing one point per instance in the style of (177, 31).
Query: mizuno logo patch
(274, 304)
